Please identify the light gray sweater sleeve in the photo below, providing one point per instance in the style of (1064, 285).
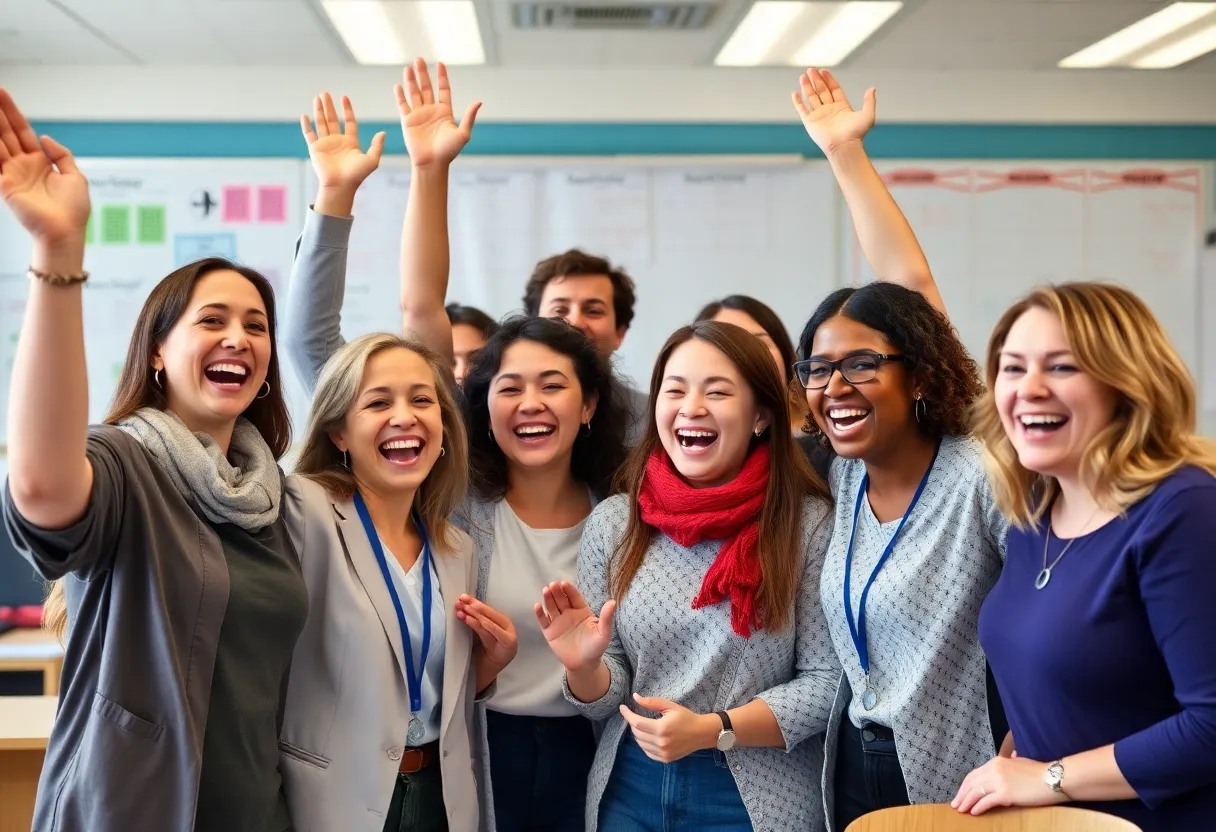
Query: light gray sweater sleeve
(803, 705)
(311, 328)
(595, 552)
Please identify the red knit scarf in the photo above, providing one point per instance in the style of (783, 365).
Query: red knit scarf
(730, 513)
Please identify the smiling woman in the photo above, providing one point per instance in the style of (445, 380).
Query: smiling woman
(162, 529)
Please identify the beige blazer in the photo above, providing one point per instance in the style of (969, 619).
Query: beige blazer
(347, 708)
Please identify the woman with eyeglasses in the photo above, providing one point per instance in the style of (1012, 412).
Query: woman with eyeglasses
(918, 540)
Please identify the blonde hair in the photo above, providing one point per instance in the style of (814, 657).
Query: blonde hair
(337, 388)
(1116, 339)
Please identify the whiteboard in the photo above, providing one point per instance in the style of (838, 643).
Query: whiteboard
(149, 217)
(686, 233)
(992, 231)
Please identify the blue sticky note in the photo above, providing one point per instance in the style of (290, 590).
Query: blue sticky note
(190, 247)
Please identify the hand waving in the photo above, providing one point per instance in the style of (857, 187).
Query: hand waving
(431, 134)
(334, 147)
(39, 180)
(826, 114)
(575, 634)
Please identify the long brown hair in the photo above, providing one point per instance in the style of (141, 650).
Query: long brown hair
(790, 478)
(337, 389)
(1116, 339)
(160, 313)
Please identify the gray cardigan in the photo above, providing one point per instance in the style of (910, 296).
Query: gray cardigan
(662, 647)
(147, 587)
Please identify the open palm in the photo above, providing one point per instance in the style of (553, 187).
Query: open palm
(826, 114)
(333, 146)
(576, 635)
(39, 179)
(432, 135)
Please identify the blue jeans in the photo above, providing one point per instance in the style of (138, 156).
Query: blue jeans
(868, 774)
(538, 769)
(695, 793)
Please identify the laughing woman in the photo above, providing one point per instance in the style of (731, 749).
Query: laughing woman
(718, 673)
(1100, 628)
(162, 529)
(546, 421)
(918, 539)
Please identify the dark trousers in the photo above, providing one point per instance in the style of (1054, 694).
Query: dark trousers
(539, 767)
(868, 776)
(417, 804)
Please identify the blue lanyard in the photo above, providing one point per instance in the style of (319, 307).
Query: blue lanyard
(857, 628)
(413, 677)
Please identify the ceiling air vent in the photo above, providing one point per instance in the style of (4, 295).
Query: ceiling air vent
(632, 16)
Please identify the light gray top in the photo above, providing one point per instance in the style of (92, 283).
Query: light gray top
(922, 614)
(524, 560)
(663, 647)
(409, 591)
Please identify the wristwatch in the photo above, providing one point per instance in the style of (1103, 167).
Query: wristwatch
(1055, 778)
(726, 737)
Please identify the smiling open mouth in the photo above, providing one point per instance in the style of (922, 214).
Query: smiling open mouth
(534, 433)
(845, 419)
(402, 451)
(695, 438)
(226, 376)
(1042, 424)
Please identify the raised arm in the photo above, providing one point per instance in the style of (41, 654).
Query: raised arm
(312, 319)
(886, 238)
(433, 140)
(50, 476)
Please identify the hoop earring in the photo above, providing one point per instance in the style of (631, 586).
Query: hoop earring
(346, 460)
(156, 380)
(267, 393)
(920, 409)
(588, 427)
(443, 451)
(759, 432)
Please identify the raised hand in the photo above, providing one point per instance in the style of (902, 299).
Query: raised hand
(576, 635)
(829, 119)
(496, 633)
(432, 136)
(39, 180)
(333, 146)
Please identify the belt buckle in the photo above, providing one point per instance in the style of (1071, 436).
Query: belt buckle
(413, 760)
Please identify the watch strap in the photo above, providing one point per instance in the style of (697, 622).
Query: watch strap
(726, 726)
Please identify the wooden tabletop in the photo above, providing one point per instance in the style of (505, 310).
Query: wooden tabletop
(25, 721)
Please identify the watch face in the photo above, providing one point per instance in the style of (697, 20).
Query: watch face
(726, 740)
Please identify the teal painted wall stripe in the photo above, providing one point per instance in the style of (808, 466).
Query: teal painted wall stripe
(921, 141)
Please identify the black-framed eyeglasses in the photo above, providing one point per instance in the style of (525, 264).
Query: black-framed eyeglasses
(815, 373)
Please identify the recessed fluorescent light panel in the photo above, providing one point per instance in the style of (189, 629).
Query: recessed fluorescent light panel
(788, 32)
(1172, 36)
(395, 31)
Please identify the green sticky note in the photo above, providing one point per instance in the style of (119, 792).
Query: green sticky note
(150, 222)
(90, 233)
(115, 223)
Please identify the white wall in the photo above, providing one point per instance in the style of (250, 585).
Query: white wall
(629, 95)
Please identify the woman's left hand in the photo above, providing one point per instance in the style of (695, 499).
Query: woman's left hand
(499, 642)
(676, 733)
(1005, 782)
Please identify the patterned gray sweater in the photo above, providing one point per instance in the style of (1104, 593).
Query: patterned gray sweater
(663, 647)
(922, 615)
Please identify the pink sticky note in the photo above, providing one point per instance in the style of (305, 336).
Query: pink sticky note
(235, 201)
(272, 203)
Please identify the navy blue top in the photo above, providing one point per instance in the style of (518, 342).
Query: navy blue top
(1118, 648)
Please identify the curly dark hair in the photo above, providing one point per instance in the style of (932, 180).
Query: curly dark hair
(933, 353)
(596, 456)
(578, 263)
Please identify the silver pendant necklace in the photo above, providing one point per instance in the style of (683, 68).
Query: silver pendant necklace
(1045, 574)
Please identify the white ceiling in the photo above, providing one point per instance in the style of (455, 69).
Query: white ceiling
(958, 35)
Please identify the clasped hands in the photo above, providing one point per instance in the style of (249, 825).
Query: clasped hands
(579, 638)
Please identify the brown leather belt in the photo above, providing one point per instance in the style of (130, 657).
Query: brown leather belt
(414, 760)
